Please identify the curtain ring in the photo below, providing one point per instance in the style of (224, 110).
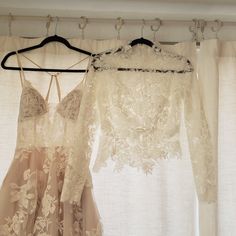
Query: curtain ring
(155, 28)
(142, 27)
(118, 26)
(193, 29)
(57, 20)
(10, 19)
(202, 28)
(197, 27)
(82, 24)
(48, 23)
(216, 28)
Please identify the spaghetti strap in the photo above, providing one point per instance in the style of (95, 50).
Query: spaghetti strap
(58, 88)
(49, 88)
(87, 68)
(22, 75)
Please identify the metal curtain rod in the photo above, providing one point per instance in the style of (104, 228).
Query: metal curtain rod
(111, 20)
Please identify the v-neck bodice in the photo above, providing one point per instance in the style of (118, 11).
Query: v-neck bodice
(33, 104)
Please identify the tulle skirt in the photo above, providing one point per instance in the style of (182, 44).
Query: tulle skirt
(30, 198)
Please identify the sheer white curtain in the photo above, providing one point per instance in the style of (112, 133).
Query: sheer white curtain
(167, 204)
(227, 139)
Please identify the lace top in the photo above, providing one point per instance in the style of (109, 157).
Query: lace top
(139, 115)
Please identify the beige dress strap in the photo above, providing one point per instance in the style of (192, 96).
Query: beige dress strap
(22, 75)
(58, 87)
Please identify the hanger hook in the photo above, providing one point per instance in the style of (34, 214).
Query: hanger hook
(155, 28)
(118, 26)
(48, 23)
(216, 28)
(57, 20)
(82, 24)
(10, 19)
(142, 28)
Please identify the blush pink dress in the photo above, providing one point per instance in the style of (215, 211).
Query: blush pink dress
(31, 191)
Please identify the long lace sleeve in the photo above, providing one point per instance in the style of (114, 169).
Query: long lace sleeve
(200, 142)
(77, 170)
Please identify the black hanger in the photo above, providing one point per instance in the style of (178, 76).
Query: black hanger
(132, 43)
(141, 41)
(47, 40)
(149, 43)
(137, 41)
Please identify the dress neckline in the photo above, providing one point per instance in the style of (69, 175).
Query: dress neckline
(27, 84)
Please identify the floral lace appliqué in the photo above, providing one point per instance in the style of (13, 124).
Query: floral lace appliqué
(69, 107)
(35, 207)
(32, 104)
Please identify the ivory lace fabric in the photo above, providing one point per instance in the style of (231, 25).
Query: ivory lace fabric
(30, 195)
(138, 114)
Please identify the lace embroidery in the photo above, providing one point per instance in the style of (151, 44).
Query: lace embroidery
(13, 225)
(139, 121)
(69, 107)
(31, 104)
(78, 223)
(24, 194)
(22, 153)
(48, 204)
(77, 169)
(95, 232)
(41, 225)
(157, 60)
(201, 150)
(25, 197)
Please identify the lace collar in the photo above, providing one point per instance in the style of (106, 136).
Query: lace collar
(123, 59)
